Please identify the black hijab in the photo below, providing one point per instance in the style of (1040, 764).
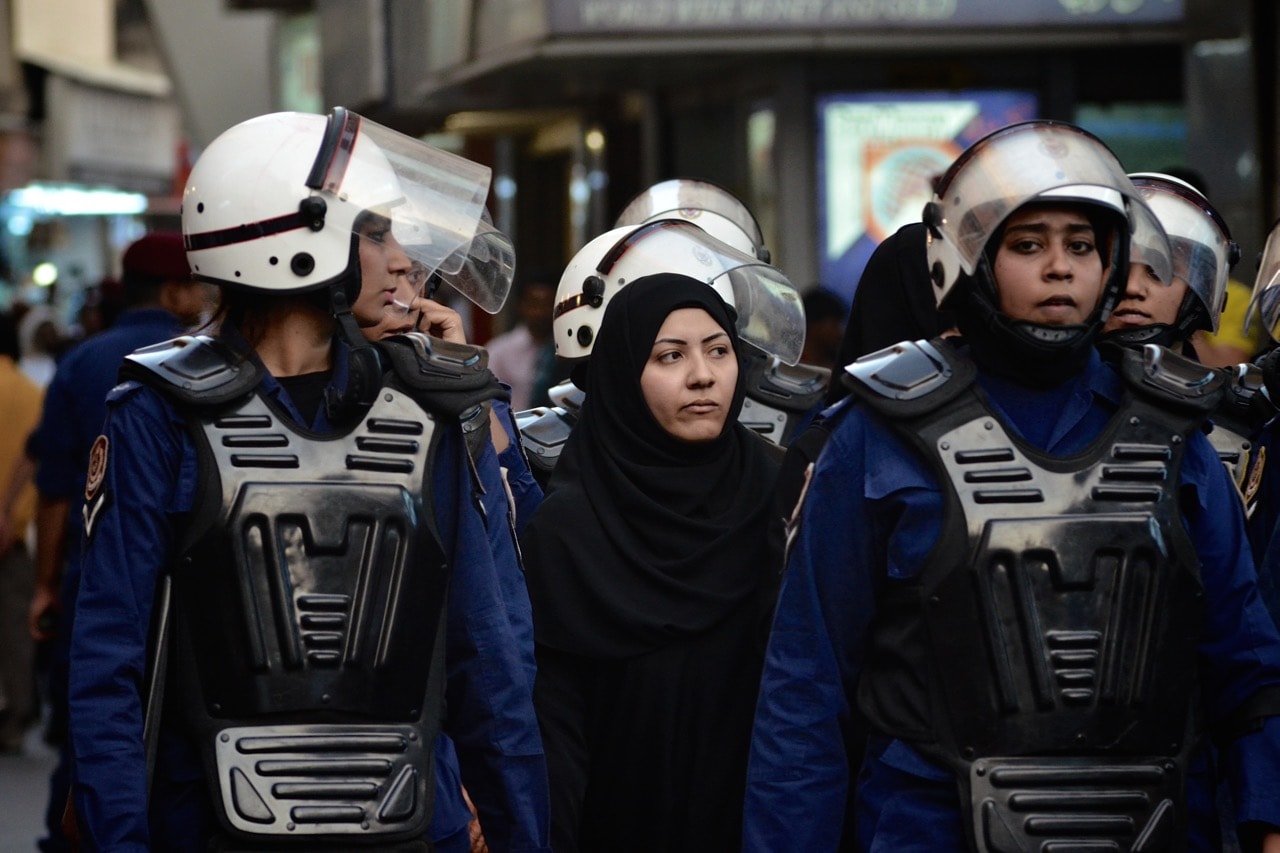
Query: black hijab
(893, 302)
(643, 538)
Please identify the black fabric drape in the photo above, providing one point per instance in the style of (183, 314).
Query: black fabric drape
(643, 538)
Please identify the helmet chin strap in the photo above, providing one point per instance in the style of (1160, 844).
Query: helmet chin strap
(1174, 336)
(364, 370)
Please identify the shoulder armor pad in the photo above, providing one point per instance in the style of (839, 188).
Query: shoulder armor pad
(910, 378)
(543, 432)
(792, 389)
(1245, 405)
(1164, 376)
(453, 378)
(566, 396)
(192, 370)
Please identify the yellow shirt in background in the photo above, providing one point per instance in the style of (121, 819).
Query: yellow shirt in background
(1232, 344)
(20, 402)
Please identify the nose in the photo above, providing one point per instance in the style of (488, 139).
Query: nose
(398, 261)
(700, 373)
(1137, 283)
(1058, 262)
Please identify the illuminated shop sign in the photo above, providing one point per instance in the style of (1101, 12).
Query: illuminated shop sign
(878, 154)
(596, 16)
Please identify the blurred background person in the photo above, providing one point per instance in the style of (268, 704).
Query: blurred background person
(39, 341)
(522, 357)
(19, 410)
(824, 321)
(161, 301)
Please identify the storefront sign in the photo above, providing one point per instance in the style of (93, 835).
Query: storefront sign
(602, 16)
(878, 154)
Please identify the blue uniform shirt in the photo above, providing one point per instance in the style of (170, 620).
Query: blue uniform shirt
(873, 511)
(75, 403)
(150, 482)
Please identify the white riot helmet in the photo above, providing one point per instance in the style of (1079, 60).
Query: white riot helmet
(1203, 252)
(1265, 302)
(770, 314)
(1037, 162)
(275, 204)
(709, 206)
(1023, 163)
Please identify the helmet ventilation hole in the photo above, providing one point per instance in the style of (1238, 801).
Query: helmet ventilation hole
(302, 264)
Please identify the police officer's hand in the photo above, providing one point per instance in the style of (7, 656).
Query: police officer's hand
(439, 321)
(478, 844)
(1270, 364)
(42, 615)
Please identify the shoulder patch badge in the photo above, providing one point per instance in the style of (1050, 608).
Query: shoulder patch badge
(1255, 479)
(94, 496)
(97, 467)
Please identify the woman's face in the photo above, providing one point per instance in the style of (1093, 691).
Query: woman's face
(1047, 266)
(690, 376)
(1146, 301)
(384, 274)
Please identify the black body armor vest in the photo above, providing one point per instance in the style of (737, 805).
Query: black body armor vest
(1240, 415)
(308, 599)
(1046, 651)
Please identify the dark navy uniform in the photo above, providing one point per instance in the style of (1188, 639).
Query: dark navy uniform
(871, 518)
(136, 522)
(75, 406)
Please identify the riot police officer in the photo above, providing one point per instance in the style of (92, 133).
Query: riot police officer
(288, 568)
(1022, 572)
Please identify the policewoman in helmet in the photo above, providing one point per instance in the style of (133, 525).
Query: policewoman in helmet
(287, 569)
(1019, 595)
(1151, 312)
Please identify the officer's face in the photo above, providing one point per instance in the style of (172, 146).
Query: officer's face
(384, 273)
(689, 378)
(1047, 266)
(1146, 301)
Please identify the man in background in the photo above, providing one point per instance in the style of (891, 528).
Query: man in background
(519, 356)
(161, 302)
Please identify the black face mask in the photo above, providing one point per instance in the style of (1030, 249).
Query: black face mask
(1027, 353)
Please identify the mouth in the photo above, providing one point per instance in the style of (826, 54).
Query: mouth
(1058, 309)
(702, 407)
(1129, 316)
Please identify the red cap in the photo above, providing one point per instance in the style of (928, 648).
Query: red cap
(159, 254)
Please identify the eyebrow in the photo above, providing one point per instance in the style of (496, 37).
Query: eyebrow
(682, 342)
(1044, 226)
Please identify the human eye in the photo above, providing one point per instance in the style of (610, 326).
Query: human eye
(668, 356)
(1081, 246)
(375, 228)
(720, 350)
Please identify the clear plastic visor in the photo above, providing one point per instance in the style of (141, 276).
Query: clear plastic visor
(433, 202)
(998, 175)
(1200, 249)
(684, 197)
(770, 313)
(1265, 303)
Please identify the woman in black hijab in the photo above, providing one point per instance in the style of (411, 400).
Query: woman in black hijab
(648, 571)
